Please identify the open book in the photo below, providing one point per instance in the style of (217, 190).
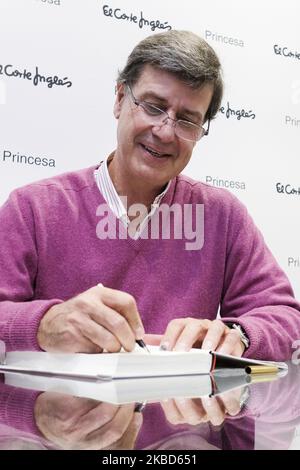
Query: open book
(136, 364)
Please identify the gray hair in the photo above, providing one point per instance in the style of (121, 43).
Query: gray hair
(182, 53)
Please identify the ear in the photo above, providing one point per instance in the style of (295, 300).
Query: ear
(120, 95)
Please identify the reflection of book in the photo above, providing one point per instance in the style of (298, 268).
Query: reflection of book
(121, 391)
(125, 365)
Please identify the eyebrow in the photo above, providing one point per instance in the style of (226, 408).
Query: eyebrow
(148, 95)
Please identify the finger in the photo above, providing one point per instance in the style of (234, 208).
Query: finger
(231, 402)
(172, 333)
(191, 410)
(215, 414)
(153, 340)
(239, 349)
(97, 416)
(92, 336)
(111, 432)
(171, 411)
(116, 325)
(194, 330)
(128, 439)
(230, 342)
(124, 304)
(214, 335)
(101, 336)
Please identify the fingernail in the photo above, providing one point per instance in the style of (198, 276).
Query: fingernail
(207, 345)
(181, 347)
(182, 401)
(164, 346)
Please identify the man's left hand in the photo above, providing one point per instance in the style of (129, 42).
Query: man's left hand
(184, 333)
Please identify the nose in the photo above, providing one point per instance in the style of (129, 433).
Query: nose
(165, 131)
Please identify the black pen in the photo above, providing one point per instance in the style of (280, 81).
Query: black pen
(142, 344)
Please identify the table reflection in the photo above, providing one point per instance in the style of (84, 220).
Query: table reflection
(260, 415)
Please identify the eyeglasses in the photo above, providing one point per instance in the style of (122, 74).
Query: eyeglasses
(185, 130)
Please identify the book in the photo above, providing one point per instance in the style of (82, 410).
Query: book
(136, 364)
(141, 390)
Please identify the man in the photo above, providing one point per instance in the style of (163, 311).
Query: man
(65, 286)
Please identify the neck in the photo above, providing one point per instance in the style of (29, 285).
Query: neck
(136, 192)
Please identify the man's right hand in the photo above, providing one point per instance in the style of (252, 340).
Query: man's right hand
(78, 423)
(99, 318)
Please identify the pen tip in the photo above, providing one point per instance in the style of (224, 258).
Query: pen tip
(142, 344)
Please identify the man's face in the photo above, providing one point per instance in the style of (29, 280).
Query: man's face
(137, 136)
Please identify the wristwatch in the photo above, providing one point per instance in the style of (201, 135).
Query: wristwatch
(243, 337)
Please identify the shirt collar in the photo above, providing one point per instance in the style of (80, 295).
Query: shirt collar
(110, 194)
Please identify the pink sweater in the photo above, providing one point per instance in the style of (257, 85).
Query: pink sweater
(49, 252)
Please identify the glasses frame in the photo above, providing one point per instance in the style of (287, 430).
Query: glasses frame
(142, 104)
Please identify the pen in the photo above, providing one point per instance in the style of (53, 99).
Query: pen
(261, 369)
(139, 406)
(142, 344)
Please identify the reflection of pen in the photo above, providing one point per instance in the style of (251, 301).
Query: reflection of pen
(142, 344)
(256, 378)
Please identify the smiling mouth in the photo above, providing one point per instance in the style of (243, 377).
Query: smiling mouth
(154, 153)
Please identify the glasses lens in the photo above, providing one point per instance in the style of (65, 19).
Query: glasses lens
(152, 110)
(188, 131)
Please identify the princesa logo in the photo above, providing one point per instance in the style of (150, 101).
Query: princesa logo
(227, 40)
(12, 157)
(50, 2)
(294, 261)
(225, 183)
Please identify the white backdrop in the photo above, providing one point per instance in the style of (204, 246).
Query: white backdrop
(58, 65)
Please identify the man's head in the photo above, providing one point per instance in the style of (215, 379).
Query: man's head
(183, 54)
(169, 88)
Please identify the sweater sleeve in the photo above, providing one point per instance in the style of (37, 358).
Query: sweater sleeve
(20, 311)
(17, 408)
(256, 293)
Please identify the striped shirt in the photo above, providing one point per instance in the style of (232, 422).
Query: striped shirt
(114, 201)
